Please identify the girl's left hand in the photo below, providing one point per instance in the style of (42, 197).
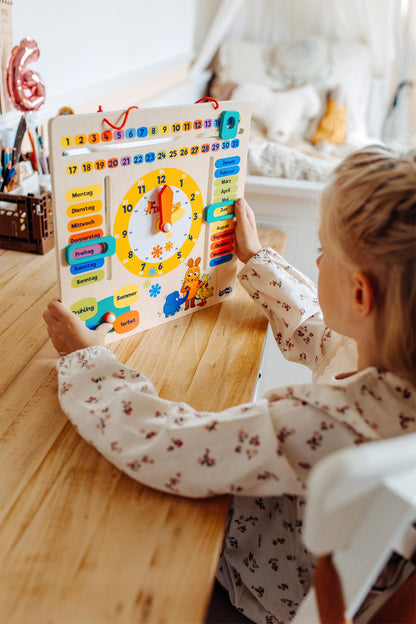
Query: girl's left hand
(67, 332)
(246, 236)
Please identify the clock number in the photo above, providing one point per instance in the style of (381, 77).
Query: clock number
(192, 196)
(160, 267)
(130, 254)
(179, 255)
(143, 265)
(195, 216)
(141, 188)
(124, 233)
(127, 208)
(161, 179)
(181, 182)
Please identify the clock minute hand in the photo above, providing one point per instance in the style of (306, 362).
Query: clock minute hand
(165, 209)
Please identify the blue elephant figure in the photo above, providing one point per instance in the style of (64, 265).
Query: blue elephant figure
(173, 303)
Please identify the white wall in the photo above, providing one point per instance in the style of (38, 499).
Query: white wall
(89, 48)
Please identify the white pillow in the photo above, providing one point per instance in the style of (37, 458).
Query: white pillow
(285, 114)
(238, 61)
(307, 60)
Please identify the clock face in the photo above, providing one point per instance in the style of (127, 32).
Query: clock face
(145, 246)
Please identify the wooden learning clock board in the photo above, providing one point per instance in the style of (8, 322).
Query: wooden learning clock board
(144, 214)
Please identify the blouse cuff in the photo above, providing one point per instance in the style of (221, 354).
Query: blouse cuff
(82, 357)
(267, 255)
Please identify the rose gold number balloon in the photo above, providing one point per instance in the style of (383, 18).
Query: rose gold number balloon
(25, 87)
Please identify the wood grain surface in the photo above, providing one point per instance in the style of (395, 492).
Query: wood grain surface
(80, 542)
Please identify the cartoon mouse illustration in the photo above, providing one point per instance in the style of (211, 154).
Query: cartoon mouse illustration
(192, 282)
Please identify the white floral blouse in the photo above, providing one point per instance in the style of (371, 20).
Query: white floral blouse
(261, 452)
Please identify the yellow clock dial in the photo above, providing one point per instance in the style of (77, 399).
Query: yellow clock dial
(142, 247)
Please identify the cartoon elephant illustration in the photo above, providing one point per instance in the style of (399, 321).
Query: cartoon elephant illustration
(173, 303)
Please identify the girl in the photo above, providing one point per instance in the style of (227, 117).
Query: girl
(361, 349)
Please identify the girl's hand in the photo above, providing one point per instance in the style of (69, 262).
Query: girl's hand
(247, 240)
(67, 332)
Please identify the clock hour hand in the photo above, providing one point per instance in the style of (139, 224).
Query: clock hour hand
(165, 209)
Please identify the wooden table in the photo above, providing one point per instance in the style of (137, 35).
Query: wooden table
(80, 542)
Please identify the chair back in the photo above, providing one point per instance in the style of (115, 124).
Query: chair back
(361, 507)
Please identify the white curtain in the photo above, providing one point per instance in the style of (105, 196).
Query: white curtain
(400, 122)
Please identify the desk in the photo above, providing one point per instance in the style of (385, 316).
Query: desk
(80, 542)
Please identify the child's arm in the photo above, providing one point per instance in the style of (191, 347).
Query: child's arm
(287, 297)
(258, 449)
(263, 449)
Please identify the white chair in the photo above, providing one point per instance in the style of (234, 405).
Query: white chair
(361, 507)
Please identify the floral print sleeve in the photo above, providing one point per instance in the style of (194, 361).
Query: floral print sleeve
(264, 448)
(289, 300)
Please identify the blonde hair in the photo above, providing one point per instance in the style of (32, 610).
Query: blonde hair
(369, 211)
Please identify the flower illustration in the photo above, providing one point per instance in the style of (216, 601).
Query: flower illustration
(168, 246)
(155, 290)
(157, 251)
(146, 284)
(152, 271)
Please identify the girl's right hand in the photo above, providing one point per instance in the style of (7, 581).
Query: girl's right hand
(247, 240)
(68, 333)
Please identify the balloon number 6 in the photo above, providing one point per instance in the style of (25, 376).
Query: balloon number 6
(24, 86)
